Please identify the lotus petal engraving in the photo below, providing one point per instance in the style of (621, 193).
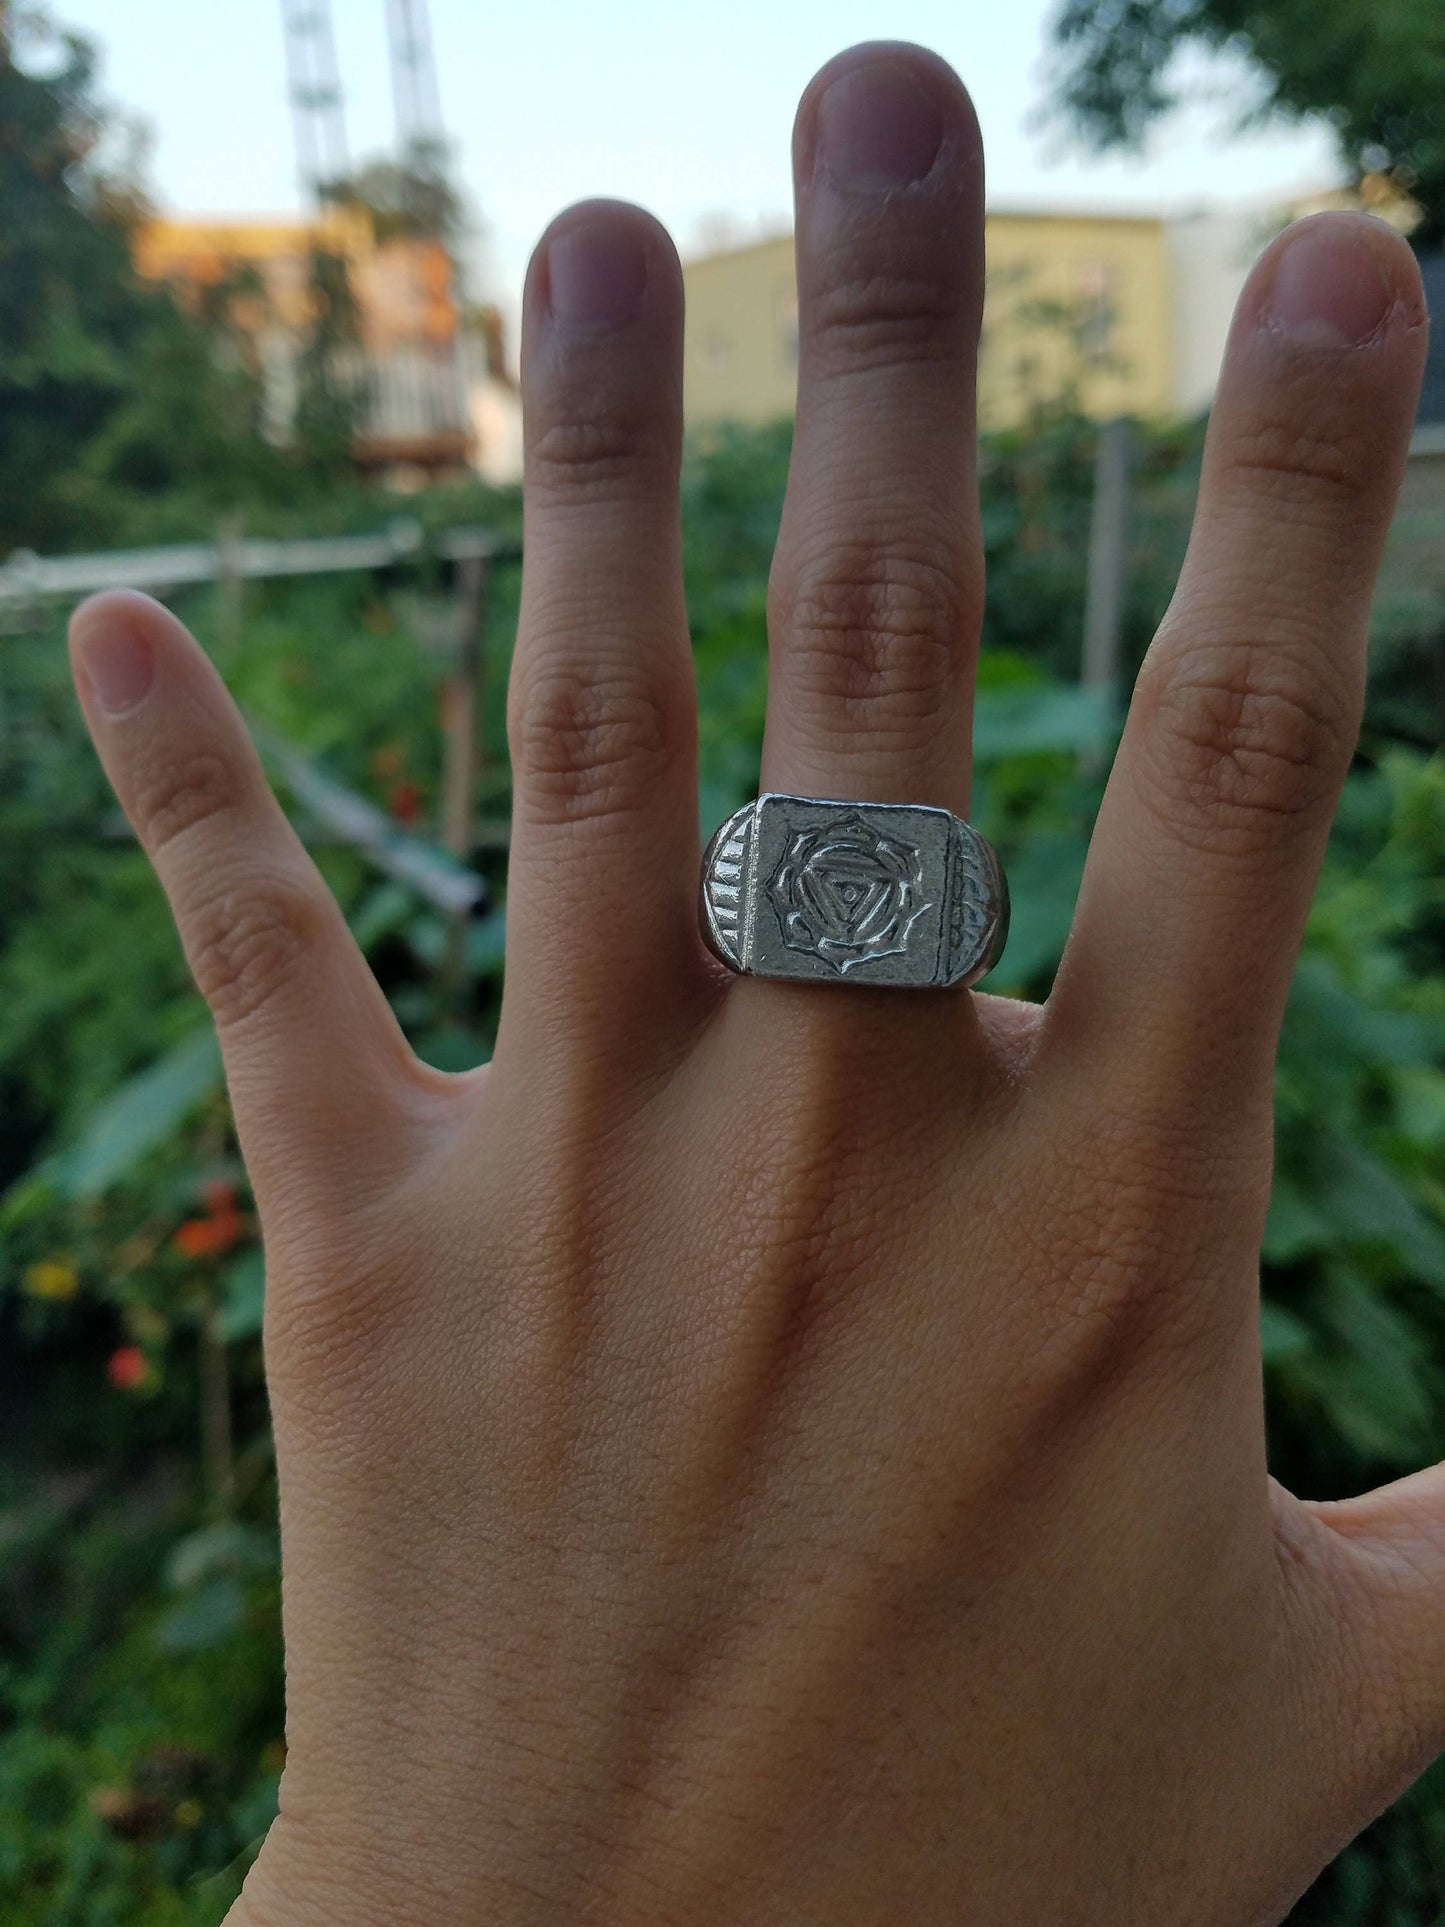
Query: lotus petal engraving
(725, 882)
(978, 906)
(847, 892)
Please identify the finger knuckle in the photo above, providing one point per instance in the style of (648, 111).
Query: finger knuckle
(1242, 739)
(246, 943)
(887, 318)
(591, 742)
(872, 637)
(1286, 459)
(589, 455)
(181, 793)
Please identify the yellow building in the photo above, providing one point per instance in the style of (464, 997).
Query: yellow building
(1077, 312)
(740, 361)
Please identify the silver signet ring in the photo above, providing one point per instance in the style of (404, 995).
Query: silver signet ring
(866, 893)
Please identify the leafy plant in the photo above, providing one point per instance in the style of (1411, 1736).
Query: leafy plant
(1376, 74)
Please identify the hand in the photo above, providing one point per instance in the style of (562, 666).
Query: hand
(767, 1454)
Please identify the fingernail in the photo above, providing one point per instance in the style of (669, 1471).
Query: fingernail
(596, 273)
(1329, 289)
(878, 128)
(117, 664)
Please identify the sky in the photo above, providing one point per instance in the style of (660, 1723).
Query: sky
(683, 106)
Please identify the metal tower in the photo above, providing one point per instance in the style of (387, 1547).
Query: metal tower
(316, 105)
(419, 136)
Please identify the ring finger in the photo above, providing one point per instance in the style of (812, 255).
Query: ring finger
(601, 711)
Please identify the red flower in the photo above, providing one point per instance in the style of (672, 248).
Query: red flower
(128, 1368)
(404, 801)
(218, 1195)
(227, 1229)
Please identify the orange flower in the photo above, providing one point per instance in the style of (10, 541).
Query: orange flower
(52, 1278)
(196, 1238)
(128, 1368)
(209, 1237)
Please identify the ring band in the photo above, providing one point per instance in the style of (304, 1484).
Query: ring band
(871, 893)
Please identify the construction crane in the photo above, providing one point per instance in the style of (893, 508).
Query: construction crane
(414, 412)
(317, 112)
(435, 371)
(419, 136)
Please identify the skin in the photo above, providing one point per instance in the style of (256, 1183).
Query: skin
(766, 1454)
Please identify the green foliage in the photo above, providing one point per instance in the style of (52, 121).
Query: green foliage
(1376, 73)
(112, 397)
(328, 406)
(70, 314)
(414, 197)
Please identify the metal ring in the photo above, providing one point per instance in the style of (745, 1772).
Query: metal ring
(868, 893)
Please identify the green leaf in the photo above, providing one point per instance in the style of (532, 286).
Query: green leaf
(484, 943)
(26, 1198)
(1420, 1101)
(450, 1047)
(1018, 722)
(381, 913)
(1376, 1384)
(205, 1618)
(140, 1115)
(1324, 1015)
(226, 1547)
(1294, 1226)
(1367, 1204)
(1282, 1335)
(1043, 888)
(244, 1295)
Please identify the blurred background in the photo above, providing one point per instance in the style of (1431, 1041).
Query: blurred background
(260, 266)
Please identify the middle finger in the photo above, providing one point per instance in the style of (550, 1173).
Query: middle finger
(877, 586)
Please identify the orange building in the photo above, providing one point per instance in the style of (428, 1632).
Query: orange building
(400, 342)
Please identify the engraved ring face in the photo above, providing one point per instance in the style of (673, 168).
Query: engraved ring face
(848, 894)
(878, 893)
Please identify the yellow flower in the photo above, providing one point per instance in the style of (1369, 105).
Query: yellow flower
(189, 1813)
(52, 1278)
